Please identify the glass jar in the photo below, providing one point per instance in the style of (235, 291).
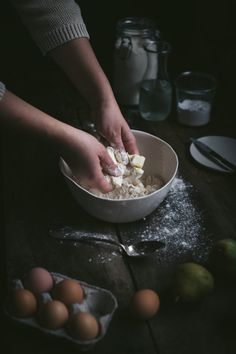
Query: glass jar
(130, 58)
(195, 92)
(156, 89)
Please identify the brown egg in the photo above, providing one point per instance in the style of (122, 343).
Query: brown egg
(145, 304)
(83, 326)
(38, 280)
(69, 291)
(24, 303)
(53, 315)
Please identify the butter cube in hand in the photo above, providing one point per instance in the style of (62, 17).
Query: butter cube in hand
(111, 153)
(137, 160)
(117, 181)
(122, 157)
(137, 171)
(121, 169)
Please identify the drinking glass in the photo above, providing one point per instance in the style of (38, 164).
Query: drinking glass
(195, 92)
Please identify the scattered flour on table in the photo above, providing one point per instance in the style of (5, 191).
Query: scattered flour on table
(179, 223)
(103, 258)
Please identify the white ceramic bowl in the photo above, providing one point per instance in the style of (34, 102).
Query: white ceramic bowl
(161, 160)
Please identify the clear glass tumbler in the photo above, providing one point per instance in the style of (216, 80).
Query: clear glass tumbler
(195, 93)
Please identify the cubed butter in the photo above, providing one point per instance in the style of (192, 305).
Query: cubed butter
(111, 153)
(137, 171)
(137, 160)
(117, 181)
(121, 169)
(122, 157)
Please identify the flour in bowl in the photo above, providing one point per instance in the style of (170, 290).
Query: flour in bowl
(131, 183)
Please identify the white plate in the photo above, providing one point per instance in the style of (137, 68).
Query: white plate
(224, 146)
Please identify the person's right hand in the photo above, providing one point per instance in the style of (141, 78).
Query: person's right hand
(88, 159)
(85, 155)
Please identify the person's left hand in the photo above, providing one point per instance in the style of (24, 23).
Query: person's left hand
(112, 126)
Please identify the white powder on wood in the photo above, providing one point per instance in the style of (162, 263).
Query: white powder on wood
(179, 223)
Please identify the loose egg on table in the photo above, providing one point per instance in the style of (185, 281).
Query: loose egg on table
(145, 304)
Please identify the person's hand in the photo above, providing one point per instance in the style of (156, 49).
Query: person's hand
(79, 62)
(111, 125)
(88, 159)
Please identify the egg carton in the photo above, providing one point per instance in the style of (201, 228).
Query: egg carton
(100, 303)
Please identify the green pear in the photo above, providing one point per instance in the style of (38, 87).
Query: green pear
(192, 282)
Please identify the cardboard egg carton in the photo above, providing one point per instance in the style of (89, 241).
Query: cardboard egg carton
(100, 303)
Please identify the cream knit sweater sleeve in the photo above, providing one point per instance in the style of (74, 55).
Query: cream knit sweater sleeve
(51, 22)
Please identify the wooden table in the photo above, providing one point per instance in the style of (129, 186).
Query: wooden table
(35, 195)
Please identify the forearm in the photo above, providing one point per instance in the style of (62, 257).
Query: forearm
(18, 115)
(58, 29)
(85, 155)
(79, 62)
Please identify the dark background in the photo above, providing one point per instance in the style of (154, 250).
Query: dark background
(202, 35)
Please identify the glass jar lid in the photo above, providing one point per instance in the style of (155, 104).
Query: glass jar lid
(136, 25)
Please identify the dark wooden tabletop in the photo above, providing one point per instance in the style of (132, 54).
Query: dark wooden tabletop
(199, 210)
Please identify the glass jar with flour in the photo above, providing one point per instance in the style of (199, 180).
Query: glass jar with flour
(195, 93)
(130, 58)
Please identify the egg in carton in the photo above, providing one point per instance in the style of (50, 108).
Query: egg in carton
(98, 302)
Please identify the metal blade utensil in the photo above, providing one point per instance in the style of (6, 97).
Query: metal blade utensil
(137, 249)
(213, 155)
